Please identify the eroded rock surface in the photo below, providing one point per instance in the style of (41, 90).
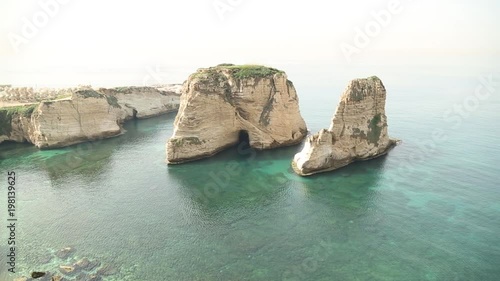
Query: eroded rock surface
(143, 102)
(221, 103)
(358, 131)
(85, 116)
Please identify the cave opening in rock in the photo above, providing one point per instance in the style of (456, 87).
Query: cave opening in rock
(243, 140)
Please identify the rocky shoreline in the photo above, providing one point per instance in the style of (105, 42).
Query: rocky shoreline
(71, 268)
(86, 115)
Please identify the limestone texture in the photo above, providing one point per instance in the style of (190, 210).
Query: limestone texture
(358, 131)
(220, 103)
(87, 115)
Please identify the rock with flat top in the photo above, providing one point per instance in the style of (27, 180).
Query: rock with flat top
(358, 131)
(221, 104)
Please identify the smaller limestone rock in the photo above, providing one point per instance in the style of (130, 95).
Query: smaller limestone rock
(358, 131)
(23, 278)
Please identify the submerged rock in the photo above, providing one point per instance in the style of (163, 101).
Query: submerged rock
(65, 252)
(82, 264)
(37, 274)
(358, 131)
(107, 270)
(67, 269)
(89, 277)
(57, 278)
(222, 105)
(86, 264)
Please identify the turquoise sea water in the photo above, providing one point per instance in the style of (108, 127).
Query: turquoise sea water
(427, 211)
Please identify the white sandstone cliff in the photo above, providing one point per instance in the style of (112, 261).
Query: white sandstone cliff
(144, 102)
(358, 131)
(87, 115)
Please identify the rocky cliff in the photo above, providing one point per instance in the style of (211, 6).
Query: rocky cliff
(87, 115)
(358, 131)
(143, 102)
(219, 104)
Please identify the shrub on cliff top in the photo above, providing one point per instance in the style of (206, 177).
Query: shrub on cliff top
(89, 94)
(252, 71)
(113, 101)
(238, 71)
(7, 113)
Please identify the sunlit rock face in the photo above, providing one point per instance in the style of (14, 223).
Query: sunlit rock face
(220, 104)
(84, 115)
(358, 131)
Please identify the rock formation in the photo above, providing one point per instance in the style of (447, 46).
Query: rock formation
(358, 131)
(87, 115)
(143, 102)
(219, 104)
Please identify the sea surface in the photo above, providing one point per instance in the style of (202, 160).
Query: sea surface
(429, 210)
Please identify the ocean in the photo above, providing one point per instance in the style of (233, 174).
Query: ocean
(429, 210)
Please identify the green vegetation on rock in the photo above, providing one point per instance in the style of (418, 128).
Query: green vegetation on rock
(89, 94)
(121, 89)
(252, 71)
(266, 112)
(225, 64)
(238, 71)
(113, 101)
(211, 75)
(7, 113)
(375, 129)
(185, 140)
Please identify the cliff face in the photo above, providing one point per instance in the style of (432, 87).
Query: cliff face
(220, 103)
(87, 115)
(358, 131)
(143, 102)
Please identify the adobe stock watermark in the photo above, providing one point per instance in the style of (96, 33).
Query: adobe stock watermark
(223, 7)
(155, 76)
(363, 36)
(311, 264)
(31, 26)
(454, 117)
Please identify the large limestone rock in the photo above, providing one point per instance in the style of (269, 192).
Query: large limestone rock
(220, 103)
(358, 131)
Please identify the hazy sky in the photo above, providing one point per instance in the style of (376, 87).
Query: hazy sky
(56, 42)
